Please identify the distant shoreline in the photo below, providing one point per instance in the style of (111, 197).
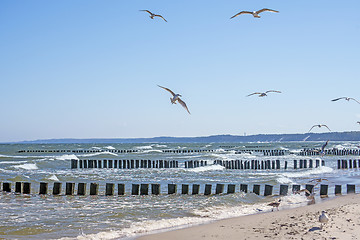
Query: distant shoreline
(299, 137)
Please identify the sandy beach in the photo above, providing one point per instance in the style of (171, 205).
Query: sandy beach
(295, 223)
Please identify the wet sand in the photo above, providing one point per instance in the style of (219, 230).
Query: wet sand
(295, 223)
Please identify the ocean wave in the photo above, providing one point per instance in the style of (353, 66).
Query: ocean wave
(27, 166)
(144, 147)
(110, 148)
(314, 171)
(207, 168)
(97, 154)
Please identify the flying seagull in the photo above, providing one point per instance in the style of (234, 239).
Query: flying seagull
(176, 97)
(255, 13)
(263, 94)
(346, 98)
(319, 126)
(152, 15)
(358, 122)
(323, 218)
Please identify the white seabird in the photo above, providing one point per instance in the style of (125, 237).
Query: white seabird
(263, 94)
(319, 126)
(176, 97)
(346, 98)
(275, 205)
(323, 218)
(152, 15)
(255, 13)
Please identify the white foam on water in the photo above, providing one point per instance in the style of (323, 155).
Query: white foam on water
(54, 178)
(144, 147)
(314, 171)
(12, 162)
(207, 168)
(159, 146)
(27, 166)
(110, 148)
(152, 151)
(97, 154)
(66, 157)
(284, 180)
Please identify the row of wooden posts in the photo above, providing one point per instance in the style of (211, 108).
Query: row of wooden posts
(114, 151)
(143, 189)
(228, 164)
(336, 152)
(268, 164)
(130, 164)
(346, 164)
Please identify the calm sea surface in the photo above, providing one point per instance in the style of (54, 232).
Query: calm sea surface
(36, 216)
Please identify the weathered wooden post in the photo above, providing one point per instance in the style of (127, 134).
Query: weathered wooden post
(99, 164)
(6, 187)
(43, 188)
(284, 190)
(207, 189)
(277, 164)
(74, 163)
(339, 163)
(195, 189)
(295, 188)
(135, 189)
(81, 189)
(57, 188)
(295, 164)
(310, 188)
(26, 188)
(94, 187)
(172, 188)
(18, 186)
(301, 164)
(69, 190)
(244, 188)
(350, 163)
(231, 188)
(109, 189)
(354, 164)
(338, 190)
(219, 188)
(268, 190)
(305, 163)
(155, 189)
(184, 189)
(85, 163)
(144, 189)
(323, 163)
(121, 189)
(256, 189)
(317, 163)
(80, 163)
(350, 188)
(324, 190)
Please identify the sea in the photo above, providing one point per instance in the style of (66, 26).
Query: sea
(35, 216)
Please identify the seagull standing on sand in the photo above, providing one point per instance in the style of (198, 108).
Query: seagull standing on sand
(152, 15)
(255, 13)
(263, 94)
(319, 126)
(275, 205)
(176, 97)
(323, 218)
(346, 98)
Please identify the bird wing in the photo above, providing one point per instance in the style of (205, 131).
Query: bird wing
(168, 90)
(355, 100)
(313, 127)
(254, 93)
(147, 11)
(242, 12)
(326, 127)
(272, 91)
(336, 99)
(266, 9)
(160, 16)
(182, 103)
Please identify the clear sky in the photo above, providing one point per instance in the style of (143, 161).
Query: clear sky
(90, 68)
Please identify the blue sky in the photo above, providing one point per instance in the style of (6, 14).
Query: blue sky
(90, 69)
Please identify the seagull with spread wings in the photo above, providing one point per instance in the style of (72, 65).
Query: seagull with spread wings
(346, 98)
(152, 15)
(319, 126)
(263, 94)
(255, 13)
(176, 97)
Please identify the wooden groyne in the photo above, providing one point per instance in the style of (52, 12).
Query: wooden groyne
(334, 151)
(348, 164)
(228, 164)
(71, 188)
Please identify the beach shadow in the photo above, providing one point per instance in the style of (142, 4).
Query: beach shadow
(314, 229)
